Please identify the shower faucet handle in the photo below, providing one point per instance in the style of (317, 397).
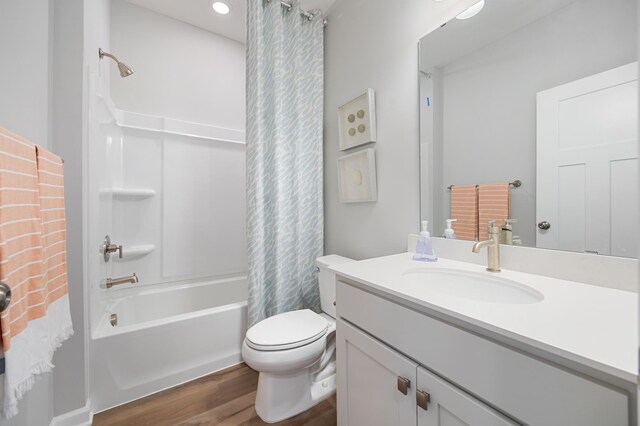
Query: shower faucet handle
(107, 248)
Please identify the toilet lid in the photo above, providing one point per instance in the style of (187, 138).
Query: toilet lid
(287, 331)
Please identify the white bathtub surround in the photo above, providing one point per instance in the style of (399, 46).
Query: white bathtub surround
(152, 176)
(606, 271)
(159, 183)
(166, 180)
(166, 336)
(284, 158)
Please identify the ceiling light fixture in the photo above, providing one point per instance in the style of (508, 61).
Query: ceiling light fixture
(220, 7)
(472, 11)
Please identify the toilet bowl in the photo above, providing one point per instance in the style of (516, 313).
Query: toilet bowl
(294, 352)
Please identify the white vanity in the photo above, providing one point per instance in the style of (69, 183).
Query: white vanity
(448, 343)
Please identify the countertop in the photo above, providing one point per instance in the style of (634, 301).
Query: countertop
(594, 326)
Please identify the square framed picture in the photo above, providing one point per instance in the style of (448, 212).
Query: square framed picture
(357, 121)
(357, 177)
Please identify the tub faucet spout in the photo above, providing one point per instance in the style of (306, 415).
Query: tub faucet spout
(110, 282)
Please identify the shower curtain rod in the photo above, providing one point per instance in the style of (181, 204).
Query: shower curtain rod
(310, 16)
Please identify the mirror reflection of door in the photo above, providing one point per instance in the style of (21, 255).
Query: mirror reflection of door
(587, 182)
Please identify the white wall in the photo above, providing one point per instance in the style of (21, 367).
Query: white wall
(373, 43)
(181, 71)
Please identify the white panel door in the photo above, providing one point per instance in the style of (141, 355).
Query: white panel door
(587, 164)
(449, 406)
(368, 385)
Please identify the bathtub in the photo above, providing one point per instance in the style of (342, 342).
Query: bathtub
(164, 337)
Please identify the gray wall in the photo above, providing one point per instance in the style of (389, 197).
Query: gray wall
(69, 360)
(24, 74)
(25, 28)
(41, 99)
(490, 96)
(373, 43)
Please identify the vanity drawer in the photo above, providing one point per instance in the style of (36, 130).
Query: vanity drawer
(526, 388)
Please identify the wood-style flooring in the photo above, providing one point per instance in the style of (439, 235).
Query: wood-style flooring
(222, 398)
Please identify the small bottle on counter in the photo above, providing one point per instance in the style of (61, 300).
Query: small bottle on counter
(424, 247)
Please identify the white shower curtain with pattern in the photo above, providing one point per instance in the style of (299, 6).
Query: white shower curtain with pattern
(284, 157)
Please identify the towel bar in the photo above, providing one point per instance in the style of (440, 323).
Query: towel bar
(516, 184)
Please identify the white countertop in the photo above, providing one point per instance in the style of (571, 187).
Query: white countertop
(594, 326)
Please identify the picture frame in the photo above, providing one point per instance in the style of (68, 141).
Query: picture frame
(357, 121)
(357, 177)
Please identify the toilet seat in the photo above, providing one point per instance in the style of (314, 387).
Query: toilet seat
(288, 330)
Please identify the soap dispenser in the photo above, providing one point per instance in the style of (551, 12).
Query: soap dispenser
(449, 232)
(506, 234)
(424, 248)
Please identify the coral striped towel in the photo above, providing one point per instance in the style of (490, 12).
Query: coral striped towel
(32, 264)
(464, 208)
(493, 204)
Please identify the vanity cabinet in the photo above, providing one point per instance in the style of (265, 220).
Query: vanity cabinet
(450, 406)
(383, 388)
(381, 382)
(390, 355)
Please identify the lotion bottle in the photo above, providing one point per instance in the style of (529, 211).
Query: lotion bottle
(449, 232)
(424, 248)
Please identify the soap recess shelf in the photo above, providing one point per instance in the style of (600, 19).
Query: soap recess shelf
(129, 193)
(132, 252)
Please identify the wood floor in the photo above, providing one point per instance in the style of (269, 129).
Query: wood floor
(222, 398)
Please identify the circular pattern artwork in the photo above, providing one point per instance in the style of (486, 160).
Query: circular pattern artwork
(356, 118)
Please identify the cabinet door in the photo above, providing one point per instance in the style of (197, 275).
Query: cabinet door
(370, 381)
(450, 406)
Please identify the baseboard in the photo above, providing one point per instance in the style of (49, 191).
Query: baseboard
(80, 417)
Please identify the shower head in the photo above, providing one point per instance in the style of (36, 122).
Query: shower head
(125, 70)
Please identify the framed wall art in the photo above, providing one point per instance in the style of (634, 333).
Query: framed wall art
(357, 177)
(357, 121)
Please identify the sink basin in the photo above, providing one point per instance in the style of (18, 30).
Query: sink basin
(471, 285)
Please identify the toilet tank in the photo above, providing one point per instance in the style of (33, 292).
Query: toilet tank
(327, 281)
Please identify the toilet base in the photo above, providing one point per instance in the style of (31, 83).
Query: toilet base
(281, 396)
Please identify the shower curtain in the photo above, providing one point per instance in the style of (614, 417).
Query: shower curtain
(284, 157)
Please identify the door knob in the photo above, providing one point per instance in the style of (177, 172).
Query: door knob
(5, 296)
(403, 384)
(544, 225)
(423, 399)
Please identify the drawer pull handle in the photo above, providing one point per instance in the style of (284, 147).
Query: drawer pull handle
(423, 399)
(403, 384)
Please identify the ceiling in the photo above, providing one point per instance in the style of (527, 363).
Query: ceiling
(200, 14)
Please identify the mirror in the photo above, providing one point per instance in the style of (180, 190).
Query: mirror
(543, 92)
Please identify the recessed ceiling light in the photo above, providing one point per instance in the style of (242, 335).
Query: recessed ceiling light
(220, 7)
(472, 11)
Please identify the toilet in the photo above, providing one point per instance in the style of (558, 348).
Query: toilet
(294, 352)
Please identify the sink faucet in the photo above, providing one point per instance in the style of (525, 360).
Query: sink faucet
(493, 247)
